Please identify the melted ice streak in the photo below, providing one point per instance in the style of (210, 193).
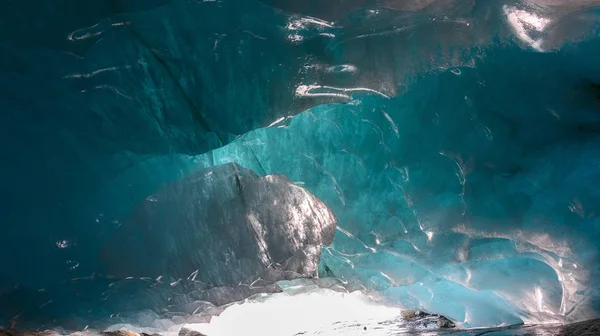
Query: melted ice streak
(525, 24)
(297, 25)
(330, 91)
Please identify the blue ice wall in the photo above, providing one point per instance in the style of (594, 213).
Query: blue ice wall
(455, 142)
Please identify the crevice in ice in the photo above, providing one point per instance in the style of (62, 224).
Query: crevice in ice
(204, 123)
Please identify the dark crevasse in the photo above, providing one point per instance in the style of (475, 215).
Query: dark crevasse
(166, 154)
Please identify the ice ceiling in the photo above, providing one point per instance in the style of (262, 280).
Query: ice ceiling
(167, 155)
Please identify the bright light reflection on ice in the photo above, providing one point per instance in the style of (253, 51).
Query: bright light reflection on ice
(323, 312)
(523, 23)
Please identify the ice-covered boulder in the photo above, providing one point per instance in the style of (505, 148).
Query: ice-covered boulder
(223, 225)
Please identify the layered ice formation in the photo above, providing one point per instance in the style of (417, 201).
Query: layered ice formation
(166, 158)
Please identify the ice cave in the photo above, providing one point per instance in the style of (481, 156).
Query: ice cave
(300, 167)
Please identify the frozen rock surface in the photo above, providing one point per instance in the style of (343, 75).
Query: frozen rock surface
(223, 226)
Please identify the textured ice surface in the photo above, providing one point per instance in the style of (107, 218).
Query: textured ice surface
(453, 202)
(456, 142)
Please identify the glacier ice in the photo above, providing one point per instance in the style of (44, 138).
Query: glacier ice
(454, 142)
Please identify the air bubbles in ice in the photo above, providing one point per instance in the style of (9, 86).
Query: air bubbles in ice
(456, 71)
(72, 264)
(61, 244)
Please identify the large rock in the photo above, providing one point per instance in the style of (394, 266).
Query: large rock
(189, 332)
(223, 226)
